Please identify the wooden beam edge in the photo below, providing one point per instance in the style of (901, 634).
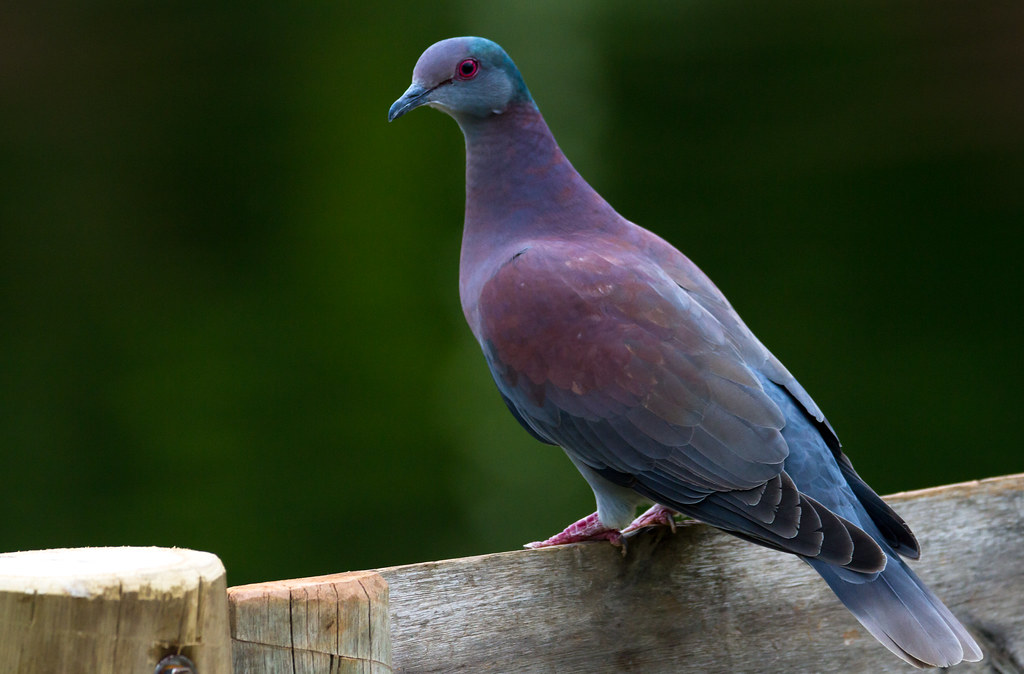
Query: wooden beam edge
(298, 616)
(1012, 482)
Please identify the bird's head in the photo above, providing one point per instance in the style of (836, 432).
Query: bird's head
(466, 77)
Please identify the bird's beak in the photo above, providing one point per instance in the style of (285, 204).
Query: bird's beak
(414, 97)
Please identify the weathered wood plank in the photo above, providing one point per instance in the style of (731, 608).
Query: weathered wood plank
(336, 624)
(703, 601)
(112, 610)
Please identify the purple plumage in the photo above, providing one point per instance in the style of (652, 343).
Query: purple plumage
(607, 341)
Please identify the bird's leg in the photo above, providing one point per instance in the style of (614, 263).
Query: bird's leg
(656, 515)
(587, 529)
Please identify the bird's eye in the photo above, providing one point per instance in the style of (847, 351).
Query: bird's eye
(468, 69)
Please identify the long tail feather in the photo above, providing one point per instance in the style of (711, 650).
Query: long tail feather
(903, 614)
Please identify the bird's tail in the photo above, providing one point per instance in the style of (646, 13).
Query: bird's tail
(902, 613)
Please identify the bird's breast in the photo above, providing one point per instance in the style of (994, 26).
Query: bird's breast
(575, 318)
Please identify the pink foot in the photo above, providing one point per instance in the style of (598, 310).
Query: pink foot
(655, 516)
(587, 529)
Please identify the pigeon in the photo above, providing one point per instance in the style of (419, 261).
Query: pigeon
(605, 340)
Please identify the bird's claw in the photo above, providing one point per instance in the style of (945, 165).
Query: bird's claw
(612, 536)
(587, 529)
(655, 516)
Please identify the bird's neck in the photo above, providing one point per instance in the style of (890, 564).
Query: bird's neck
(520, 188)
(519, 184)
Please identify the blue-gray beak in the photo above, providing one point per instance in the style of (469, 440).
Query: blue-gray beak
(414, 97)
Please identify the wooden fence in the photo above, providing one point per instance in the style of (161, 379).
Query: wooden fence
(695, 601)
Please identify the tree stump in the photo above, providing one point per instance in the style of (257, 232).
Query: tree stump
(112, 610)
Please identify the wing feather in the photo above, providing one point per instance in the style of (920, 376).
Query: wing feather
(636, 377)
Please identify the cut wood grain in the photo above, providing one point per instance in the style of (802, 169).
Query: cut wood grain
(703, 601)
(112, 610)
(335, 624)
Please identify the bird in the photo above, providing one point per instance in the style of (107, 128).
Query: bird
(607, 341)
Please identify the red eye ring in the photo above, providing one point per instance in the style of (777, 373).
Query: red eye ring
(467, 69)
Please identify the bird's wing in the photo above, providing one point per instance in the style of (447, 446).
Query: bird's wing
(892, 527)
(703, 290)
(600, 351)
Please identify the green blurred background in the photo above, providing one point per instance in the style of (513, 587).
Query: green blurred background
(229, 316)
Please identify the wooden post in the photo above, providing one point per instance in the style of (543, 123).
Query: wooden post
(112, 610)
(335, 624)
(703, 601)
